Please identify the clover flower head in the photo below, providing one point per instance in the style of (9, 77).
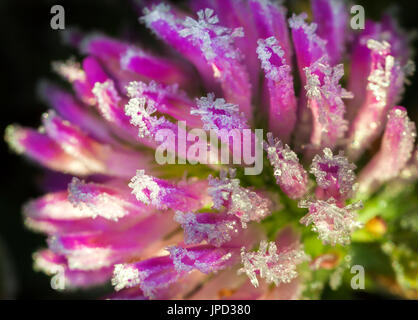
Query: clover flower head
(210, 231)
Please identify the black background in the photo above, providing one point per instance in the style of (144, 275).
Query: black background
(28, 45)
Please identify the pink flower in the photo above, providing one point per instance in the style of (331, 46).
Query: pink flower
(175, 232)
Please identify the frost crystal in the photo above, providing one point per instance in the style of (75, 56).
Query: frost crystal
(332, 223)
(206, 33)
(140, 110)
(136, 89)
(289, 173)
(325, 96)
(69, 70)
(147, 190)
(125, 276)
(270, 264)
(214, 228)
(107, 97)
(265, 50)
(380, 77)
(217, 114)
(395, 151)
(298, 21)
(204, 259)
(334, 173)
(245, 204)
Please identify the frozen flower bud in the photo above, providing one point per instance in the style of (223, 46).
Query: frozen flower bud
(101, 200)
(245, 204)
(153, 276)
(333, 224)
(334, 176)
(290, 174)
(270, 264)
(395, 151)
(164, 194)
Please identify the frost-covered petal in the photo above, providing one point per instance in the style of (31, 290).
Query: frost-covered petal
(247, 205)
(167, 99)
(70, 109)
(290, 174)
(205, 258)
(164, 194)
(155, 277)
(333, 224)
(282, 100)
(324, 98)
(334, 176)
(385, 83)
(39, 147)
(270, 21)
(331, 16)
(95, 249)
(158, 69)
(62, 277)
(309, 48)
(395, 151)
(215, 228)
(219, 115)
(97, 157)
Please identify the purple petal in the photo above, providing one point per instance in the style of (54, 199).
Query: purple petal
(331, 17)
(283, 107)
(395, 151)
(290, 174)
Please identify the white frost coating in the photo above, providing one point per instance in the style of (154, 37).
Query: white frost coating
(136, 89)
(106, 95)
(146, 189)
(216, 233)
(380, 78)
(129, 54)
(191, 261)
(94, 203)
(158, 12)
(313, 85)
(201, 33)
(332, 223)
(82, 257)
(245, 204)
(271, 265)
(217, 114)
(345, 176)
(69, 70)
(272, 72)
(298, 21)
(125, 276)
(140, 110)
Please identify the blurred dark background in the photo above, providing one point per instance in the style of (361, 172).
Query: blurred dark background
(28, 45)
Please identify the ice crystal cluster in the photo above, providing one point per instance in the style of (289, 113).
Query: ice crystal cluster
(211, 232)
